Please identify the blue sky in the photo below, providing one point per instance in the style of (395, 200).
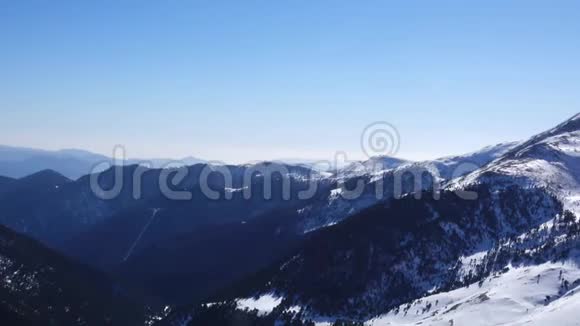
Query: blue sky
(249, 80)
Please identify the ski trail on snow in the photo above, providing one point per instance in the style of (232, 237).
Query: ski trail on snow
(130, 251)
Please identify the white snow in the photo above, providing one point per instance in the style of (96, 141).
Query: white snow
(264, 304)
(517, 297)
(468, 263)
(552, 162)
(233, 190)
(334, 193)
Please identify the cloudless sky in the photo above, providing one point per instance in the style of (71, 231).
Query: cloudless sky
(248, 80)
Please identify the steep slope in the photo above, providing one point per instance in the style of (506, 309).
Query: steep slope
(40, 287)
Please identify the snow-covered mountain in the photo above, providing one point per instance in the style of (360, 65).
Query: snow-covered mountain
(543, 294)
(549, 160)
(383, 178)
(508, 255)
(444, 167)
(455, 166)
(371, 166)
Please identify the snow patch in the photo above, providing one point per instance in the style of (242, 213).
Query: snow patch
(264, 304)
(531, 295)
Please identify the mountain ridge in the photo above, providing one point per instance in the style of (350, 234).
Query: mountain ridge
(398, 251)
(18, 162)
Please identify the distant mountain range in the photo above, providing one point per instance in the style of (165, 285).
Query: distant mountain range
(17, 162)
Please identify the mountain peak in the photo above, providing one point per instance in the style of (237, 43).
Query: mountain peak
(46, 176)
